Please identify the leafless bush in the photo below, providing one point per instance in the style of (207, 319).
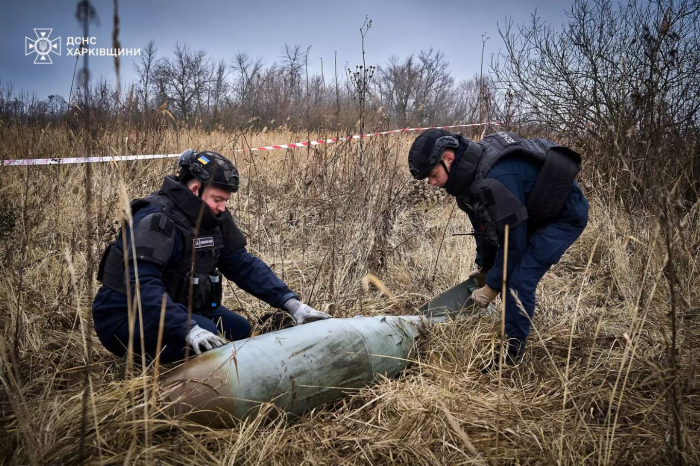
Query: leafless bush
(244, 92)
(417, 90)
(619, 82)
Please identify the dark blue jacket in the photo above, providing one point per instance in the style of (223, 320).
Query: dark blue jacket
(519, 176)
(245, 270)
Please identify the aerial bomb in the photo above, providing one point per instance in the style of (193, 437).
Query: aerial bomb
(299, 368)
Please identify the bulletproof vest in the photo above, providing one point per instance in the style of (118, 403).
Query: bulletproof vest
(493, 205)
(195, 273)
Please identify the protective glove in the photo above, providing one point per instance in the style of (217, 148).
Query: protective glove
(480, 276)
(483, 296)
(201, 337)
(303, 313)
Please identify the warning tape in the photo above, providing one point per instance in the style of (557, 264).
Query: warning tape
(293, 145)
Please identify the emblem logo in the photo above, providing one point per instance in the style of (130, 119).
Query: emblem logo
(43, 46)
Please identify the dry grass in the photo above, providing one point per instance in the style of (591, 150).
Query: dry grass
(593, 386)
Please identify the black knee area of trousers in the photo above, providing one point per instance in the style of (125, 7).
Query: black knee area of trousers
(220, 321)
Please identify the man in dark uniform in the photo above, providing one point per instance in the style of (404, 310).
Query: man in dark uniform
(184, 240)
(527, 184)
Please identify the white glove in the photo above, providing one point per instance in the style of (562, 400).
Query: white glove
(303, 313)
(201, 337)
(483, 296)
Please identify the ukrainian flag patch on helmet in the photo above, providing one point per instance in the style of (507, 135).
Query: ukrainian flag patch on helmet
(203, 160)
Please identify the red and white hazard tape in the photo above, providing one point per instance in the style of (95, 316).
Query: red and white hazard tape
(293, 145)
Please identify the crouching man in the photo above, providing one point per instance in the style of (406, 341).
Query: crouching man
(184, 239)
(527, 184)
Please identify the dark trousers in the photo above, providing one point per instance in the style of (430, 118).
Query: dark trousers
(544, 249)
(220, 321)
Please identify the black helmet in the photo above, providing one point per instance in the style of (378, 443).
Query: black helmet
(210, 168)
(426, 151)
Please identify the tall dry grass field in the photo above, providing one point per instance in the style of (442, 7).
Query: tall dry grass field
(597, 385)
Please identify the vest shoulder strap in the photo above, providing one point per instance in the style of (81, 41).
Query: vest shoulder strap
(558, 172)
(168, 207)
(501, 144)
(558, 166)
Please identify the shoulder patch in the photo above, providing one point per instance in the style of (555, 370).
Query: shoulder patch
(206, 242)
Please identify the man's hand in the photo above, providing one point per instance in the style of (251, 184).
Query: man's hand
(483, 296)
(480, 276)
(201, 337)
(303, 313)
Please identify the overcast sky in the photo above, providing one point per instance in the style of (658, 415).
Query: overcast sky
(261, 28)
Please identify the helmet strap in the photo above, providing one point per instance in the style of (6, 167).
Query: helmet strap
(442, 162)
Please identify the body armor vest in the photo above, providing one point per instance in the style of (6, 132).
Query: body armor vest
(493, 205)
(195, 273)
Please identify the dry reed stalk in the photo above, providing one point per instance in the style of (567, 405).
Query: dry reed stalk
(399, 420)
(571, 338)
(462, 434)
(371, 278)
(139, 309)
(504, 288)
(152, 409)
(19, 405)
(88, 387)
(634, 331)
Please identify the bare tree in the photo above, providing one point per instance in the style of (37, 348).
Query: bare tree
(622, 77)
(144, 69)
(416, 90)
(244, 91)
(219, 89)
(247, 72)
(248, 79)
(184, 79)
(466, 100)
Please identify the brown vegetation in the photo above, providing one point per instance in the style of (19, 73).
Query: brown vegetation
(594, 386)
(610, 371)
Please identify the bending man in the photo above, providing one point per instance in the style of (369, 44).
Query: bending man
(527, 184)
